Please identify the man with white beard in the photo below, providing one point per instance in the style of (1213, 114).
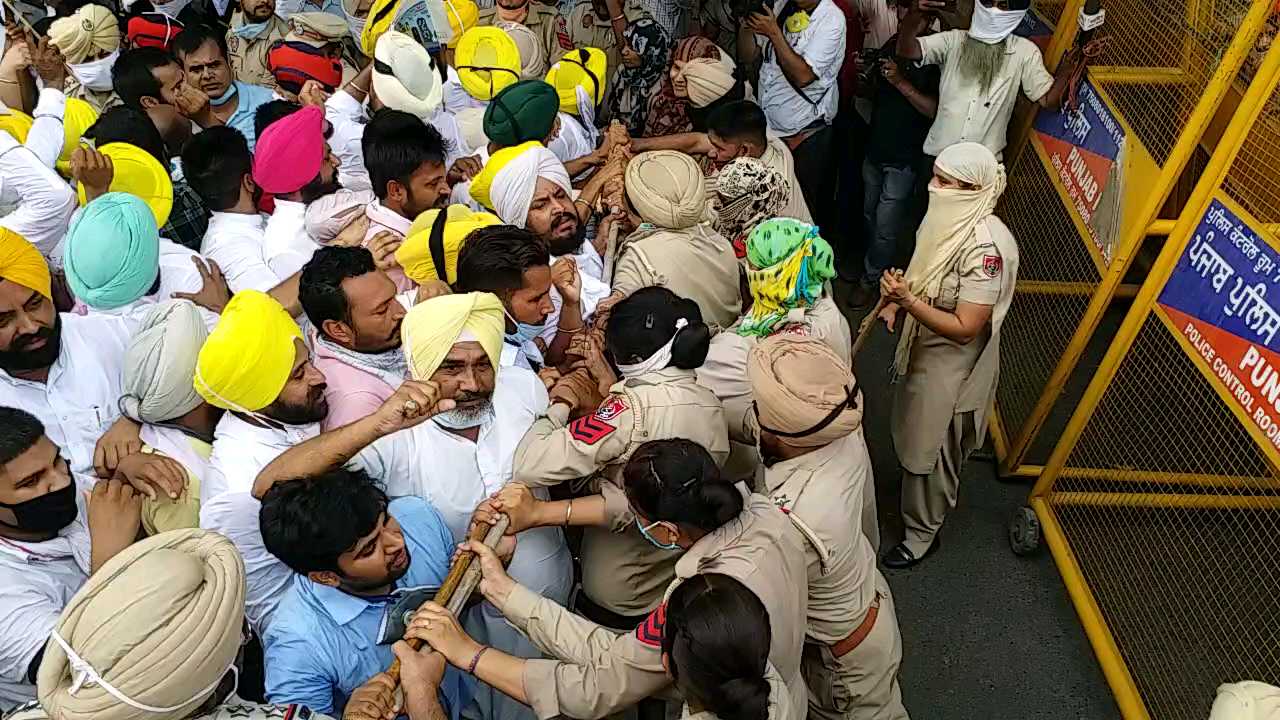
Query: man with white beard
(983, 69)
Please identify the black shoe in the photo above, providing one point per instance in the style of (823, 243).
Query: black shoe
(862, 297)
(900, 558)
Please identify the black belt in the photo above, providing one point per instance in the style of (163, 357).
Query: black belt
(606, 617)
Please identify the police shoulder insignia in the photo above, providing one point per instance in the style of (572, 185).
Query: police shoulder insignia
(649, 632)
(562, 33)
(991, 265)
(590, 429)
(612, 407)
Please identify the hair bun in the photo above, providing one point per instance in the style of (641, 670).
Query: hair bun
(743, 699)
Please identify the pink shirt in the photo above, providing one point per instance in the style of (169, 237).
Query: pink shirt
(352, 393)
(380, 220)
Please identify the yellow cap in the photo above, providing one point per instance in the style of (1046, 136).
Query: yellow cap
(487, 61)
(416, 254)
(463, 15)
(76, 120)
(585, 68)
(249, 356)
(140, 174)
(17, 124)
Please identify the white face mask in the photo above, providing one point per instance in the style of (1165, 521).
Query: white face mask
(171, 8)
(95, 74)
(992, 25)
(658, 360)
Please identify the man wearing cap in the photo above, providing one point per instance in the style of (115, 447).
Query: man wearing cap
(294, 163)
(591, 25)
(817, 468)
(326, 32)
(254, 27)
(256, 366)
(539, 18)
(203, 53)
(452, 344)
(89, 41)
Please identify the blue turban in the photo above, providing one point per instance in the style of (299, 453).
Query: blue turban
(113, 251)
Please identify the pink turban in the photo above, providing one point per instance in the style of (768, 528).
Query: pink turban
(290, 151)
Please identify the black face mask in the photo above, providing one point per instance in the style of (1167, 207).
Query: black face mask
(48, 513)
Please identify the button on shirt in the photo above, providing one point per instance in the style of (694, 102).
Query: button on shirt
(78, 402)
(236, 242)
(287, 246)
(965, 112)
(821, 44)
(323, 642)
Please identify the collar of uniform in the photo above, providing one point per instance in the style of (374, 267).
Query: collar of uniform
(340, 606)
(710, 545)
(781, 472)
(657, 377)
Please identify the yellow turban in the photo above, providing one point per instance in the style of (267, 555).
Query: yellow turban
(249, 356)
(16, 123)
(586, 69)
(431, 328)
(463, 15)
(487, 61)
(91, 30)
(417, 255)
(22, 263)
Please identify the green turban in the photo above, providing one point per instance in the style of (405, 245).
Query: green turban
(522, 112)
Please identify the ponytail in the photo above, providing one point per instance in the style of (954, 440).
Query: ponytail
(678, 481)
(648, 319)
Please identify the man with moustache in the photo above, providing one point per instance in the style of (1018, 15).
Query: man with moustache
(202, 50)
(255, 27)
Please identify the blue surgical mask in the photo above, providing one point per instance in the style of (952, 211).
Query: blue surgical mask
(250, 31)
(225, 97)
(644, 530)
(525, 332)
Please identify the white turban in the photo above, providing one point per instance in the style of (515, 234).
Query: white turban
(508, 180)
(161, 362)
(405, 76)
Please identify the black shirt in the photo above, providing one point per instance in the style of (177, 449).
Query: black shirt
(898, 130)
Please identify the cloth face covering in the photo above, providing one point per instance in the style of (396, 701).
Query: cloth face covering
(992, 25)
(790, 263)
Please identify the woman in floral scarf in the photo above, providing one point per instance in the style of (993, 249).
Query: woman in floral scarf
(669, 112)
(748, 192)
(640, 75)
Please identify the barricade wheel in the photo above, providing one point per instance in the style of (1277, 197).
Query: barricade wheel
(1024, 532)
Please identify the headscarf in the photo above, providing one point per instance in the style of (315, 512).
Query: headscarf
(790, 264)
(290, 151)
(112, 251)
(328, 215)
(160, 363)
(668, 113)
(90, 30)
(487, 61)
(948, 228)
(708, 79)
(1247, 700)
(405, 76)
(160, 623)
(432, 327)
(579, 78)
(804, 393)
(249, 356)
(22, 263)
(523, 112)
(632, 88)
(667, 189)
(508, 181)
(533, 56)
(435, 238)
(749, 192)
(463, 15)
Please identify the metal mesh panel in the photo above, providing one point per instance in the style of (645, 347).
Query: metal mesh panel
(1252, 179)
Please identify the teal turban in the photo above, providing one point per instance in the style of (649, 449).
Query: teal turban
(522, 112)
(113, 251)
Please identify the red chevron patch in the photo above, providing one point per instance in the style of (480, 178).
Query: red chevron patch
(649, 632)
(590, 430)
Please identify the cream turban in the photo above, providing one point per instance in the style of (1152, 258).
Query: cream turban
(667, 189)
(160, 363)
(533, 56)
(432, 327)
(507, 182)
(405, 76)
(471, 125)
(708, 79)
(160, 623)
(804, 392)
(328, 215)
(90, 30)
(1247, 700)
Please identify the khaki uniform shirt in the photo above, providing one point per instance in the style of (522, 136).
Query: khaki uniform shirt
(622, 571)
(695, 263)
(99, 101)
(541, 20)
(779, 700)
(249, 57)
(596, 671)
(583, 28)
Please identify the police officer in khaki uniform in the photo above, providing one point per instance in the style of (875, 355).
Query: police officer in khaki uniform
(590, 25)
(539, 18)
(254, 27)
(955, 293)
(680, 503)
(817, 469)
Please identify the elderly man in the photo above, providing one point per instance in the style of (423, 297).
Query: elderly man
(817, 468)
(256, 366)
(983, 70)
(678, 248)
(255, 27)
(452, 344)
(202, 50)
(178, 600)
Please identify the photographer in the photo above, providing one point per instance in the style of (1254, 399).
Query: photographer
(904, 99)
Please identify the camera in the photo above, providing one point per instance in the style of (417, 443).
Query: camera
(872, 59)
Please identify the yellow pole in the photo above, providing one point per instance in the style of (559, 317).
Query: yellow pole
(1155, 477)
(1165, 501)
(1188, 139)
(1246, 114)
(1064, 34)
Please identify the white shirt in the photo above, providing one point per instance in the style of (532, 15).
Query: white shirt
(455, 96)
(175, 444)
(965, 113)
(38, 200)
(454, 146)
(593, 291)
(573, 141)
(235, 241)
(461, 474)
(37, 580)
(821, 44)
(348, 118)
(79, 401)
(287, 246)
(177, 274)
(240, 451)
(46, 137)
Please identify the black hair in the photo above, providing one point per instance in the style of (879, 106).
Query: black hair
(271, 111)
(133, 76)
(717, 638)
(129, 125)
(215, 162)
(700, 115)
(646, 320)
(739, 120)
(19, 432)
(494, 259)
(395, 145)
(205, 12)
(195, 35)
(320, 285)
(309, 522)
(678, 481)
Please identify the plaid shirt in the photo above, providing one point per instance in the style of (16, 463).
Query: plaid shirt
(189, 218)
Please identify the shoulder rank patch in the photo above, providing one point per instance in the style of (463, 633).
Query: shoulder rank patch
(590, 430)
(612, 407)
(991, 265)
(562, 33)
(649, 632)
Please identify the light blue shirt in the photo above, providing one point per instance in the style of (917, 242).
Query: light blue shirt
(251, 98)
(322, 643)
